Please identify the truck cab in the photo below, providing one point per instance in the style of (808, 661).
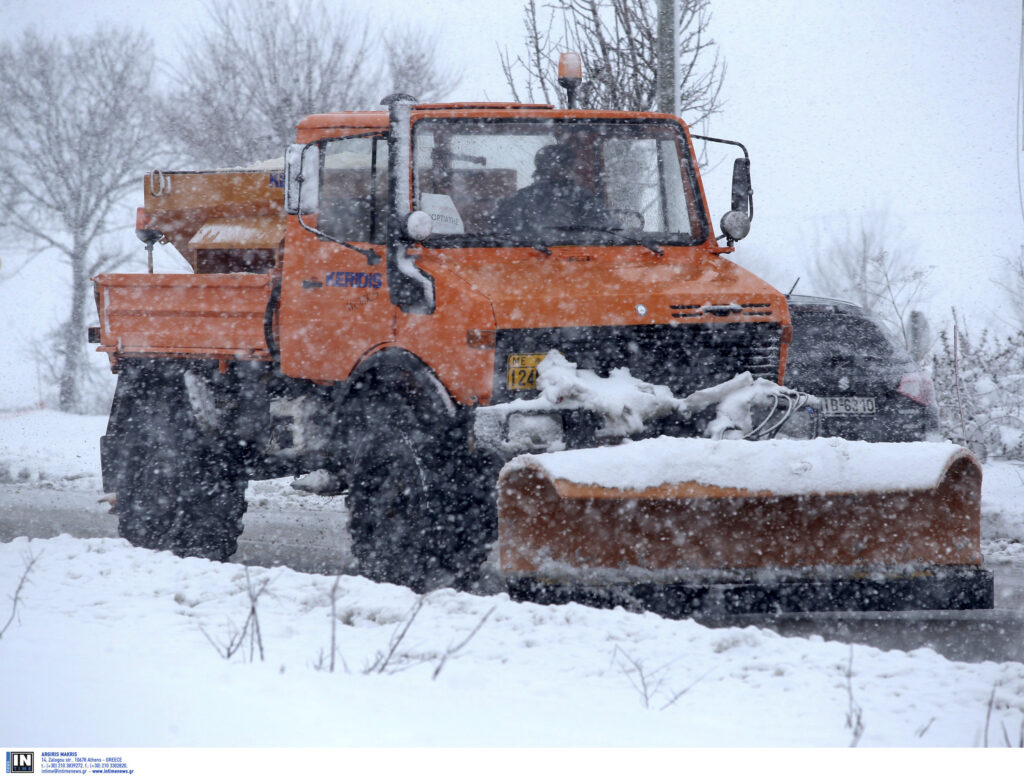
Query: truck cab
(635, 277)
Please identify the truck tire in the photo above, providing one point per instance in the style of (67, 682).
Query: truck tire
(418, 514)
(176, 488)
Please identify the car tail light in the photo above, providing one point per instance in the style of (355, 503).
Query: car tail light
(917, 386)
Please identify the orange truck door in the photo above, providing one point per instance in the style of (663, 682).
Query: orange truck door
(334, 298)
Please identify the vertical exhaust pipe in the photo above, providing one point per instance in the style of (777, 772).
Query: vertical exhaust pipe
(410, 289)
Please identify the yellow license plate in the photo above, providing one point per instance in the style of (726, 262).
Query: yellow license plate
(522, 370)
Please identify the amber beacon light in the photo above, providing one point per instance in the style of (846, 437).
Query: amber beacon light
(570, 75)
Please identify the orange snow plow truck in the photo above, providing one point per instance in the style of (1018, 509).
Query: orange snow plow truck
(509, 334)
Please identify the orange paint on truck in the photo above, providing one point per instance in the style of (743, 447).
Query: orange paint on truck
(324, 330)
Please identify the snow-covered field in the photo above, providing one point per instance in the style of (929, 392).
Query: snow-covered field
(117, 646)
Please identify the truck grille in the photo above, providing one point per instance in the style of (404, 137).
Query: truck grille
(685, 357)
(758, 310)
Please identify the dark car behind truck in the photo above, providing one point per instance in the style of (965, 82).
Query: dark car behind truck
(871, 389)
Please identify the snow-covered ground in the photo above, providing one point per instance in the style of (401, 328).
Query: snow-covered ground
(117, 646)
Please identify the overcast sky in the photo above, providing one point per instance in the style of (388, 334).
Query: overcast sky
(848, 109)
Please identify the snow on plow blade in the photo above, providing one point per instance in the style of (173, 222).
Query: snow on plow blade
(681, 526)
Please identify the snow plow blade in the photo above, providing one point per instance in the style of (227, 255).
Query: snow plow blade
(687, 526)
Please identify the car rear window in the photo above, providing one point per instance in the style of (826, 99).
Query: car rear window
(829, 337)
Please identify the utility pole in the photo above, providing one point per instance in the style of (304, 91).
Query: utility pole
(667, 89)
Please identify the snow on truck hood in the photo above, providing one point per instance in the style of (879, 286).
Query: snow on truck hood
(602, 286)
(783, 467)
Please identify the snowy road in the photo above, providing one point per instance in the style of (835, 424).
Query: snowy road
(304, 539)
(308, 534)
(49, 485)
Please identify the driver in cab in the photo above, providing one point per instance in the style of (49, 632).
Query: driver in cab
(554, 199)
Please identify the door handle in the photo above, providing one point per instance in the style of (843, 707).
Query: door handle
(312, 284)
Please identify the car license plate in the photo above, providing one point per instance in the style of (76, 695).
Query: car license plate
(522, 370)
(848, 405)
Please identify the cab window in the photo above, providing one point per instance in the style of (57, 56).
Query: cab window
(353, 189)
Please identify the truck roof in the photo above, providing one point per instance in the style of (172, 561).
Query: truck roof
(312, 127)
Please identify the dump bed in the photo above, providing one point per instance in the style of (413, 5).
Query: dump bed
(229, 226)
(202, 316)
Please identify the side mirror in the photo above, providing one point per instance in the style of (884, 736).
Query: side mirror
(418, 226)
(301, 179)
(741, 188)
(736, 223)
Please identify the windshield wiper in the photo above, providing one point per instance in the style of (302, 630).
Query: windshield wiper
(506, 239)
(650, 245)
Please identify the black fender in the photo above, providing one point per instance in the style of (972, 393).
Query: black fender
(396, 377)
(398, 368)
(391, 375)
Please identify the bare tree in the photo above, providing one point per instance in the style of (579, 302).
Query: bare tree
(617, 41)
(258, 67)
(74, 136)
(869, 265)
(1012, 284)
(413, 68)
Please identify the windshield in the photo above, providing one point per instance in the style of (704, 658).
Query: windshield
(520, 182)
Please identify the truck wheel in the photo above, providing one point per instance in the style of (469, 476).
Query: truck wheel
(418, 517)
(176, 489)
